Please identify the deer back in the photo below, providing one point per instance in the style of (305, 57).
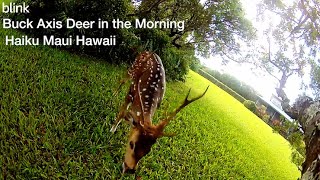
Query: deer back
(147, 87)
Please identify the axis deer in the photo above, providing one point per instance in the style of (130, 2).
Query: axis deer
(144, 97)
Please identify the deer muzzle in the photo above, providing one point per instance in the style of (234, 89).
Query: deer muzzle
(126, 169)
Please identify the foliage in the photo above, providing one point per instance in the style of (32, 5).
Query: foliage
(282, 63)
(222, 86)
(261, 112)
(209, 26)
(265, 118)
(56, 110)
(196, 65)
(315, 79)
(236, 85)
(212, 27)
(250, 105)
(297, 34)
(176, 62)
(290, 131)
(299, 18)
(83, 10)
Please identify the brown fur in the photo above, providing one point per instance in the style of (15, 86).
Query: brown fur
(144, 97)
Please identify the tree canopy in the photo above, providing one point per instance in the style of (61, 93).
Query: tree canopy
(211, 27)
(299, 25)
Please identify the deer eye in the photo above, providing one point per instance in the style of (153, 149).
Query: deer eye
(131, 145)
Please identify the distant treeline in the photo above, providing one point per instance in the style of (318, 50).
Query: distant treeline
(241, 90)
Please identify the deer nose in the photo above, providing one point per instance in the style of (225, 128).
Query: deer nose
(126, 169)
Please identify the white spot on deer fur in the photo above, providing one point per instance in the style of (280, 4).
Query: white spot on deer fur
(146, 96)
(144, 89)
(151, 75)
(138, 113)
(156, 75)
(162, 87)
(154, 82)
(158, 69)
(128, 105)
(139, 80)
(160, 74)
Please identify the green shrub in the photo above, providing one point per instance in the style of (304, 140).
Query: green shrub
(250, 105)
(195, 65)
(176, 63)
(265, 118)
(153, 39)
(290, 131)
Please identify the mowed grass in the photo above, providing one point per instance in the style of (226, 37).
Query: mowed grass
(56, 110)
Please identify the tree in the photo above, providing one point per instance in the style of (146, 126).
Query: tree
(301, 22)
(213, 26)
(300, 19)
(315, 79)
(280, 64)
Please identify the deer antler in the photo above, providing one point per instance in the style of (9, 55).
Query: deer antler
(186, 102)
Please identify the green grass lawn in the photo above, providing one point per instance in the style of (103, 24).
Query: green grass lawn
(56, 110)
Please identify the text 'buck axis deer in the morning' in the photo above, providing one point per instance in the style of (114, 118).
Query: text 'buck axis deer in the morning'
(144, 97)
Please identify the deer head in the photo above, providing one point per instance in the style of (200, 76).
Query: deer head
(143, 136)
(144, 97)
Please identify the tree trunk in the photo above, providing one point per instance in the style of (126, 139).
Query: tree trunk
(311, 166)
(307, 112)
(280, 92)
